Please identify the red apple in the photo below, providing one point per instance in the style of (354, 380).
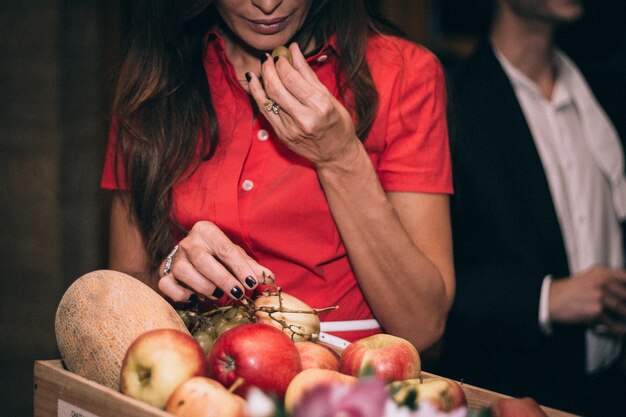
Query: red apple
(314, 355)
(310, 378)
(517, 407)
(204, 397)
(389, 357)
(157, 362)
(259, 354)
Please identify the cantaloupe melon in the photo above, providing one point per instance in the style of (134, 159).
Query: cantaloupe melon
(100, 315)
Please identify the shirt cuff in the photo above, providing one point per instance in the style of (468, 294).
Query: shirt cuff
(544, 306)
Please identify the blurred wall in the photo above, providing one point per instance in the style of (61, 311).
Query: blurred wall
(30, 141)
(51, 141)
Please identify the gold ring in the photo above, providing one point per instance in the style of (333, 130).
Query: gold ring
(269, 104)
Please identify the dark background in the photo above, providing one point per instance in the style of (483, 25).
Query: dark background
(58, 60)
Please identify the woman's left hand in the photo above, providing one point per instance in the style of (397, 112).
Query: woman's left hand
(310, 120)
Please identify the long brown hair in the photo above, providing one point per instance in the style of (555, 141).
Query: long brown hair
(164, 107)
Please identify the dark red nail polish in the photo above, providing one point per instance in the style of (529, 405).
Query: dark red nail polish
(218, 293)
(250, 282)
(236, 292)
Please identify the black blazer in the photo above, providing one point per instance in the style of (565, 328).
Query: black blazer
(506, 240)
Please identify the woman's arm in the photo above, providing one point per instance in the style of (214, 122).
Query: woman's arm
(399, 244)
(126, 248)
(400, 248)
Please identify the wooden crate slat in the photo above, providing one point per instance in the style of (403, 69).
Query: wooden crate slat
(53, 382)
(478, 398)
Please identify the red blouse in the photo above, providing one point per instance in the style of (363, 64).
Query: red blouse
(268, 200)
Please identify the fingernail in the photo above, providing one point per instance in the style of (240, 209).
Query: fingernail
(276, 59)
(236, 292)
(250, 282)
(263, 58)
(218, 293)
(248, 76)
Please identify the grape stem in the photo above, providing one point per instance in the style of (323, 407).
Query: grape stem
(294, 329)
(316, 311)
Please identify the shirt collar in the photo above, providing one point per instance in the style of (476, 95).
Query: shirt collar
(561, 96)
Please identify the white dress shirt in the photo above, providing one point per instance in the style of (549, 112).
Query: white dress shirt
(588, 197)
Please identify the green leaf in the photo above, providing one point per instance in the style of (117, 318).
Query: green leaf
(483, 412)
(410, 400)
(367, 371)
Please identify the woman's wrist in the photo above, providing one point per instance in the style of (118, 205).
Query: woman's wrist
(348, 159)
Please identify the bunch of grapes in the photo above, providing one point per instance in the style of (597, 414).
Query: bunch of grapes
(206, 320)
(207, 326)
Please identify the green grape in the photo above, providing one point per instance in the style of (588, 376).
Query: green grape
(209, 328)
(185, 317)
(229, 324)
(231, 313)
(282, 51)
(205, 340)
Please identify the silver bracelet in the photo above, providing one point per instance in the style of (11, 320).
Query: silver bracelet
(168, 261)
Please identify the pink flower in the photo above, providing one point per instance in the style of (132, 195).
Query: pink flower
(367, 398)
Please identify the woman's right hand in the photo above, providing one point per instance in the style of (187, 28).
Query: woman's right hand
(207, 262)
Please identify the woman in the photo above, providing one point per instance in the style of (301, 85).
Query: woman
(330, 174)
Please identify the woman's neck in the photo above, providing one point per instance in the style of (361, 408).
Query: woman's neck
(243, 60)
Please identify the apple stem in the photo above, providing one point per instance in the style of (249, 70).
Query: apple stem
(236, 384)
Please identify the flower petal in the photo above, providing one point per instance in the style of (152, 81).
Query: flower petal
(366, 399)
(320, 401)
(259, 404)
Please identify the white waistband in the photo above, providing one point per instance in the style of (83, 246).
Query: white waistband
(349, 325)
(335, 343)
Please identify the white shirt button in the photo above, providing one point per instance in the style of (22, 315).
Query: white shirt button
(262, 134)
(322, 58)
(247, 185)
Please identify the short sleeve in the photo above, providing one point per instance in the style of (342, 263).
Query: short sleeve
(414, 149)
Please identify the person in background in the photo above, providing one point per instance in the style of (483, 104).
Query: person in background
(329, 174)
(538, 212)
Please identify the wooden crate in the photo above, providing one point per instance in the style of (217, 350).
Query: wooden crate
(61, 393)
(478, 398)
